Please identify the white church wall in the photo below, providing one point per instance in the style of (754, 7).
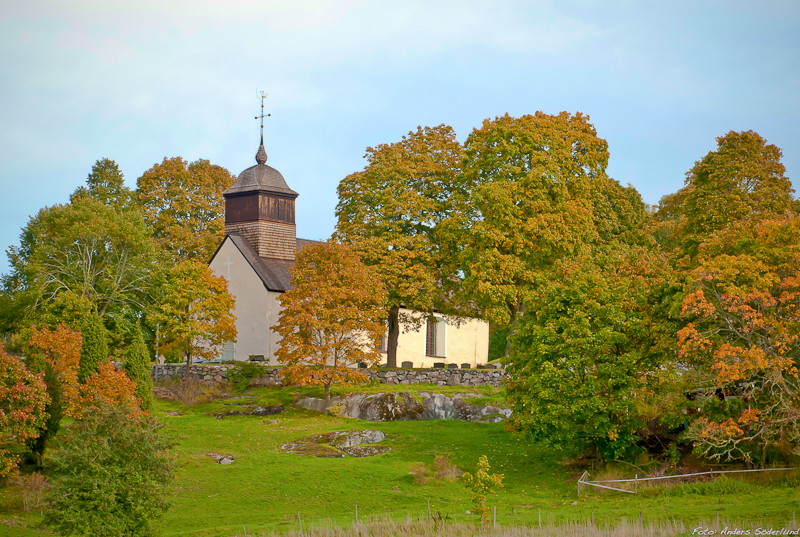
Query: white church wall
(254, 306)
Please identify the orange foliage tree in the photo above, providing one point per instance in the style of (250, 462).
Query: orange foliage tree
(744, 334)
(23, 399)
(61, 348)
(331, 318)
(195, 311)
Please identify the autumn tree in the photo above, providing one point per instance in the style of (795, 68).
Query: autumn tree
(195, 311)
(137, 367)
(481, 484)
(529, 184)
(391, 214)
(183, 204)
(23, 400)
(331, 317)
(61, 349)
(743, 339)
(743, 179)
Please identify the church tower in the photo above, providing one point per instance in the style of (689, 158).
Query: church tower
(260, 207)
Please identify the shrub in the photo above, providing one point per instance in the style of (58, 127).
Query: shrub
(137, 367)
(243, 372)
(32, 489)
(189, 392)
(109, 474)
(94, 350)
(481, 484)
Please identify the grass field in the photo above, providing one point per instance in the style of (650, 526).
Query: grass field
(265, 490)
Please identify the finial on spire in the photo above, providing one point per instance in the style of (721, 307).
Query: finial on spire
(261, 155)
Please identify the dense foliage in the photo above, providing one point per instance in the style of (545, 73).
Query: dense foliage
(137, 367)
(109, 475)
(23, 400)
(392, 212)
(331, 318)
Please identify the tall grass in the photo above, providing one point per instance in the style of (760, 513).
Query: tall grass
(416, 528)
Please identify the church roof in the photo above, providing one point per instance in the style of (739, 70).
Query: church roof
(275, 274)
(260, 177)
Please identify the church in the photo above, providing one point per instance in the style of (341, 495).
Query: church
(256, 257)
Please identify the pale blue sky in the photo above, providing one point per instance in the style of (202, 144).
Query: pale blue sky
(139, 81)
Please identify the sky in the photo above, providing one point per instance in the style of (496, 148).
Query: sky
(139, 81)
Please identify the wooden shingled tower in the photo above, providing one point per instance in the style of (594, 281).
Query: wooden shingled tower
(260, 207)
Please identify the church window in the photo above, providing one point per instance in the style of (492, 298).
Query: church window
(430, 338)
(229, 351)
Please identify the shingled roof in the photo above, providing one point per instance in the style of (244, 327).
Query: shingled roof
(274, 273)
(260, 177)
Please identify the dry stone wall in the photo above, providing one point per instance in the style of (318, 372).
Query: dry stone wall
(436, 376)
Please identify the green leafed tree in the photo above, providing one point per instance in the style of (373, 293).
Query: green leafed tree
(530, 183)
(183, 204)
(137, 367)
(109, 474)
(587, 356)
(76, 257)
(391, 214)
(331, 318)
(94, 349)
(106, 184)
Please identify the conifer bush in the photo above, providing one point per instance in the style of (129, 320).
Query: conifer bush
(137, 366)
(94, 350)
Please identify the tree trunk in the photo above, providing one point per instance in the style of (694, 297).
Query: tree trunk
(188, 363)
(512, 325)
(394, 333)
(327, 395)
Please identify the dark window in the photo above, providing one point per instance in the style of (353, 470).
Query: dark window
(430, 338)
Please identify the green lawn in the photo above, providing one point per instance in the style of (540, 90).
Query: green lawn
(266, 489)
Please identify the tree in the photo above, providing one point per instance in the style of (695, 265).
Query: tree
(137, 367)
(391, 214)
(109, 475)
(106, 185)
(530, 183)
(94, 349)
(195, 312)
(589, 353)
(331, 317)
(61, 349)
(75, 257)
(742, 180)
(482, 483)
(744, 340)
(183, 204)
(23, 400)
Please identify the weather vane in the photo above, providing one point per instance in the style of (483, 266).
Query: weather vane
(262, 116)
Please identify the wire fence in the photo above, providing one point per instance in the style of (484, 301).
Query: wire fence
(583, 482)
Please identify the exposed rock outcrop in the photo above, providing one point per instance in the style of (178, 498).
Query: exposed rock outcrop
(338, 444)
(406, 407)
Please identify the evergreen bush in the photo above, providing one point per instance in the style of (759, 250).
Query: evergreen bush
(94, 350)
(137, 366)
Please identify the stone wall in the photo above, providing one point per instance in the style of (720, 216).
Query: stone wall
(436, 376)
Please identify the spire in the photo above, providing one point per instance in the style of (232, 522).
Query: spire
(261, 155)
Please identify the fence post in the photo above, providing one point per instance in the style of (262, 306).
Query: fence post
(356, 514)
(540, 519)
(636, 484)
(245, 530)
(494, 517)
(794, 524)
(592, 518)
(300, 521)
(641, 522)
(429, 510)
(717, 519)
